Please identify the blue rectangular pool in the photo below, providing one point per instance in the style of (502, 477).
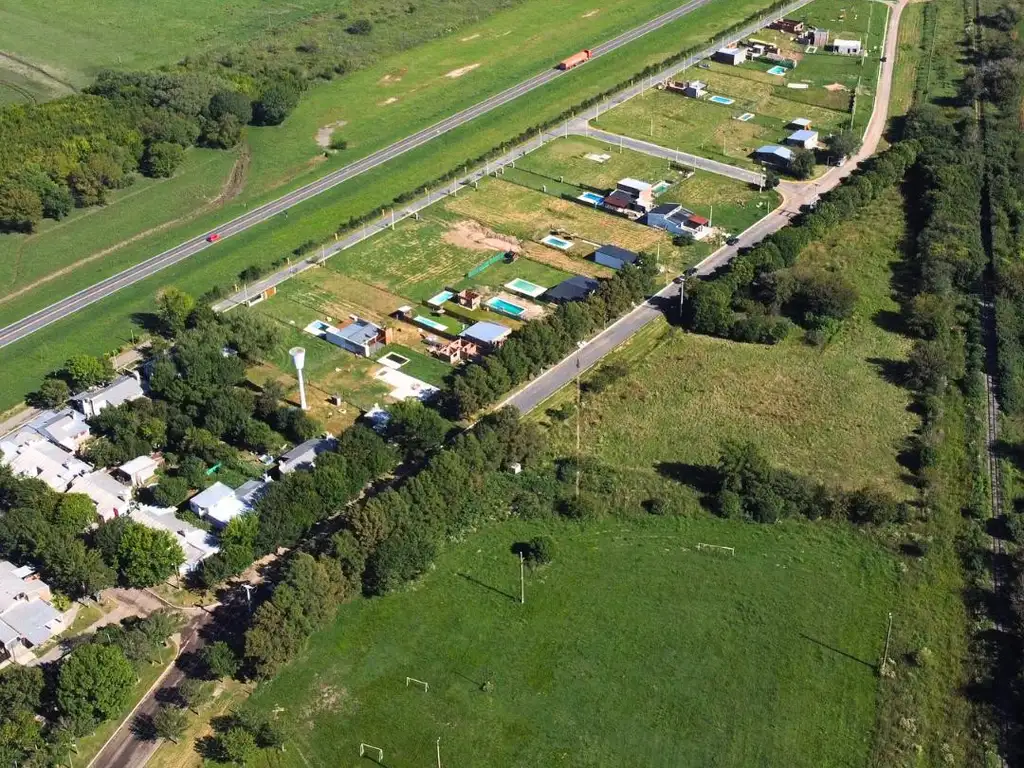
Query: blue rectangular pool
(440, 298)
(777, 71)
(557, 242)
(591, 197)
(506, 307)
(525, 287)
(721, 100)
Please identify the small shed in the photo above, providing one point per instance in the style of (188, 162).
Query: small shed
(138, 471)
(799, 123)
(818, 37)
(615, 257)
(803, 138)
(695, 89)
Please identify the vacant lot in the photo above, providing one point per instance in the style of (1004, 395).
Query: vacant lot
(830, 413)
(648, 670)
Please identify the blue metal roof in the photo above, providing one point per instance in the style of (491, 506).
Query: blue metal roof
(486, 332)
(774, 149)
(803, 135)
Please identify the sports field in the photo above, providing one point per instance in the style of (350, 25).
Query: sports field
(632, 648)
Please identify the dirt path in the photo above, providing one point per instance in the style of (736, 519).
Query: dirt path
(231, 189)
(14, 63)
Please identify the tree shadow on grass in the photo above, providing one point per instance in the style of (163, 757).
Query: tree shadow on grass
(474, 580)
(147, 321)
(703, 478)
(828, 647)
(893, 371)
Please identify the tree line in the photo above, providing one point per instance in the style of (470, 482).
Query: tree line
(73, 151)
(760, 294)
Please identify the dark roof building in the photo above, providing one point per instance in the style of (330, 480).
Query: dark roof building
(576, 288)
(615, 257)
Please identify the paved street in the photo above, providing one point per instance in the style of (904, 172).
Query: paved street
(71, 304)
(795, 195)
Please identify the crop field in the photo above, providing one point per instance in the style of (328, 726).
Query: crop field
(735, 205)
(830, 412)
(768, 662)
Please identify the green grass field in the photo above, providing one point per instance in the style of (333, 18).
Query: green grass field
(632, 649)
(826, 412)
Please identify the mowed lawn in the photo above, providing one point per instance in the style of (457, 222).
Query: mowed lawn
(829, 413)
(633, 648)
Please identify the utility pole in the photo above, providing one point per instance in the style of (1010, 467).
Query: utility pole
(522, 579)
(248, 594)
(579, 419)
(885, 653)
(438, 752)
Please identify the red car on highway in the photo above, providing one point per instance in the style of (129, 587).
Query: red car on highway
(213, 238)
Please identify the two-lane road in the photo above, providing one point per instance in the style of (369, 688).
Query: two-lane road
(77, 301)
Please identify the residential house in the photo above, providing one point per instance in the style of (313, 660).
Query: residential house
(774, 155)
(119, 391)
(453, 352)
(139, 471)
(846, 47)
(732, 56)
(218, 504)
(469, 299)
(789, 26)
(486, 334)
(28, 454)
(630, 197)
(27, 619)
(303, 455)
(66, 428)
(575, 288)
(673, 218)
(695, 89)
(615, 257)
(803, 138)
(361, 337)
(111, 497)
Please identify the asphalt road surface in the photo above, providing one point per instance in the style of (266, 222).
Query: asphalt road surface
(795, 196)
(71, 304)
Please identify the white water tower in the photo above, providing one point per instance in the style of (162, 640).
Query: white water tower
(298, 355)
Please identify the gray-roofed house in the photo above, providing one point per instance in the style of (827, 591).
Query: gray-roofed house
(115, 393)
(774, 154)
(695, 89)
(805, 138)
(66, 428)
(303, 455)
(575, 288)
(27, 619)
(112, 498)
(361, 337)
(487, 334)
(218, 504)
(615, 257)
(28, 454)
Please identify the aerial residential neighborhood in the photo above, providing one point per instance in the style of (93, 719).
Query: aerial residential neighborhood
(511, 383)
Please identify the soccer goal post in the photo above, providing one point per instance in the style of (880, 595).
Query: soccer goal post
(716, 548)
(425, 686)
(374, 753)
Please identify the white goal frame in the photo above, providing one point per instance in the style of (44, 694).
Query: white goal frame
(364, 747)
(425, 685)
(717, 548)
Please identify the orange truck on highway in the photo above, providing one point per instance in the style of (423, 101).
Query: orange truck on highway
(575, 60)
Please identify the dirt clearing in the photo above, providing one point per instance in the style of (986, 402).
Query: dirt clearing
(476, 237)
(390, 100)
(471, 37)
(594, 12)
(462, 70)
(323, 136)
(835, 87)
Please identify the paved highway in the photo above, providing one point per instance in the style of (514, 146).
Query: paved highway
(795, 195)
(71, 304)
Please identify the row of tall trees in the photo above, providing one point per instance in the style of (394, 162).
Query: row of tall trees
(761, 293)
(543, 342)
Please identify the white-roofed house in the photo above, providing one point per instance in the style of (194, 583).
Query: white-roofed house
(66, 428)
(27, 619)
(28, 454)
(805, 138)
(218, 504)
(117, 392)
(111, 497)
(846, 47)
(487, 334)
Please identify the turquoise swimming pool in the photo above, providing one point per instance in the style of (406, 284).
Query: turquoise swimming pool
(557, 242)
(721, 100)
(591, 197)
(525, 287)
(440, 298)
(506, 307)
(777, 70)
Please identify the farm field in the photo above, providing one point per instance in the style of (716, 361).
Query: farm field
(829, 413)
(791, 625)
(321, 216)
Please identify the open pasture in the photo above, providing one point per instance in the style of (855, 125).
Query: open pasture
(670, 657)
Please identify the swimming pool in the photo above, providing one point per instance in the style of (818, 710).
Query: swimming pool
(557, 242)
(777, 70)
(660, 187)
(428, 323)
(591, 197)
(439, 299)
(506, 307)
(722, 100)
(525, 287)
(745, 117)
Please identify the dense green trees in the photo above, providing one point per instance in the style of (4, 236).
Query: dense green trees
(146, 556)
(94, 683)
